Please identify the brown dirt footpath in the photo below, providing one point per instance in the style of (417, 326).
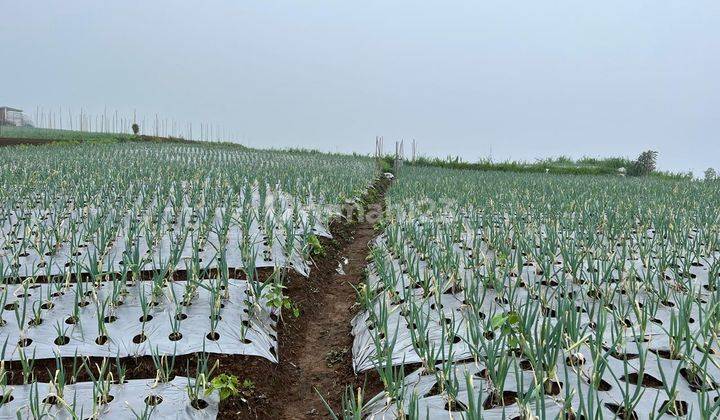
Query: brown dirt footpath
(315, 350)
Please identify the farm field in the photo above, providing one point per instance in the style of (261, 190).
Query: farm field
(18, 134)
(117, 255)
(190, 280)
(196, 224)
(500, 295)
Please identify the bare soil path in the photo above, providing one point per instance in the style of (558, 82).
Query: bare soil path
(324, 348)
(315, 349)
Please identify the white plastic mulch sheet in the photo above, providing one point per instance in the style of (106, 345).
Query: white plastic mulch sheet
(446, 316)
(168, 401)
(242, 328)
(432, 405)
(453, 312)
(177, 240)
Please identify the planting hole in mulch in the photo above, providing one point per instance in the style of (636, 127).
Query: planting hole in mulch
(175, 336)
(213, 336)
(706, 349)
(640, 339)
(199, 404)
(454, 339)
(552, 387)
(50, 400)
(594, 294)
(455, 406)
(697, 382)
(620, 412)
(517, 352)
(602, 385)
(101, 340)
(140, 338)
(497, 400)
(666, 354)
(549, 312)
(153, 400)
(483, 374)
(623, 356)
(679, 408)
(62, 340)
(648, 380)
(526, 365)
(105, 399)
(577, 359)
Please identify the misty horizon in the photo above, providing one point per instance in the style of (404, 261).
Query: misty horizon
(524, 81)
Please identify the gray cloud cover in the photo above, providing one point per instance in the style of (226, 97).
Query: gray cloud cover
(527, 78)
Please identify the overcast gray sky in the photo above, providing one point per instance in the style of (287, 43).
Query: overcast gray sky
(527, 78)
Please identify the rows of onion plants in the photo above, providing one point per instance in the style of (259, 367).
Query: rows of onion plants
(137, 207)
(493, 295)
(145, 249)
(80, 388)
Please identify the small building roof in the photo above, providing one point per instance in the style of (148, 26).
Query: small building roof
(7, 108)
